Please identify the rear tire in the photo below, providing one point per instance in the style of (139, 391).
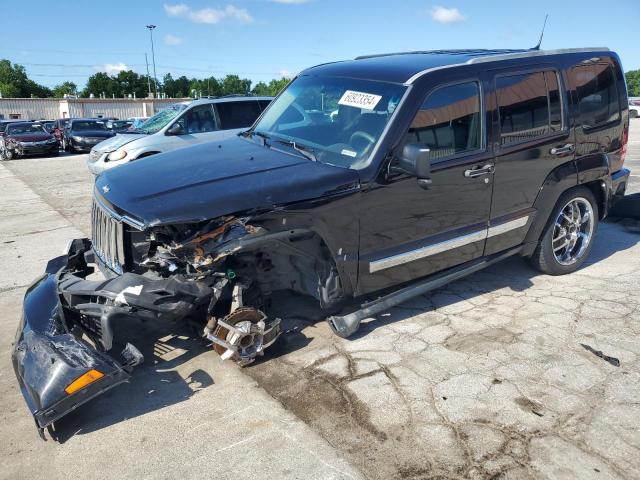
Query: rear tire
(568, 237)
(633, 114)
(9, 155)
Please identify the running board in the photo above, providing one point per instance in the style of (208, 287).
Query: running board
(346, 325)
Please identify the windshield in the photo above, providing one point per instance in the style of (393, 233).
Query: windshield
(339, 120)
(161, 119)
(87, 125)
(20, 128)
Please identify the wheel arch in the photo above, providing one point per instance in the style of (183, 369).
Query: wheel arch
(315, 259)
(591, 171)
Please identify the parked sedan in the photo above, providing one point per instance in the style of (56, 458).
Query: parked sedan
(27, 138)
(82, 134)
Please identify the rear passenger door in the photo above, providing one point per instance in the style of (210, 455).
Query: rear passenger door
(236, 116)
(531, 137)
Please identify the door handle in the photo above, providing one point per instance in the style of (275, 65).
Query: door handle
(478, 172)
(568, 148)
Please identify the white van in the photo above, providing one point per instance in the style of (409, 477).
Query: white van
(180, 125)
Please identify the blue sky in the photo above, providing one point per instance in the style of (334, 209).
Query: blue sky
(263, 39)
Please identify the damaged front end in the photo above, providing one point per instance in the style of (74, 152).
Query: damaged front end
(69, 347)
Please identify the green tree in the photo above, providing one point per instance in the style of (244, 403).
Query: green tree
(8, 90)
(633, 82)
(233, 84)
(22, 86)
(65, 88)
(273, 88)
(261, 89)
(100, 83)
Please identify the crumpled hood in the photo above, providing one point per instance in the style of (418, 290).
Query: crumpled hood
(213, 179)
(118, 141)
(29, 137)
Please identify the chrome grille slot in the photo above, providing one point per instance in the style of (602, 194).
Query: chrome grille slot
(107, 237)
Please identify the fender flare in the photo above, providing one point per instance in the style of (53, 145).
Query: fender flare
(590, 169)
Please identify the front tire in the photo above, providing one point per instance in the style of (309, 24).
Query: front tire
(9, 154)
(568, 237)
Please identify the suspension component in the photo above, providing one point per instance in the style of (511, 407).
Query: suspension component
(243, 334)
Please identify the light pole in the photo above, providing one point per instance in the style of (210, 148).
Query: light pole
(153, 59)
(148, 76)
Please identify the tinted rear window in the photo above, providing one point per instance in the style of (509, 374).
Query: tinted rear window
(530, 106)
(238, 114)
(597, 94)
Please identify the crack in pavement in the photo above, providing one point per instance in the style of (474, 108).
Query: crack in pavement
(484, 378)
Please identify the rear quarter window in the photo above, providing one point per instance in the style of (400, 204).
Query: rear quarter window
(597, 95)
(238, 114)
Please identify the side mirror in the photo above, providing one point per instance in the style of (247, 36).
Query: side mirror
(415, 161)
(175, 129)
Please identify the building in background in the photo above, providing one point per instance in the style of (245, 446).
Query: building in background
(52, 108)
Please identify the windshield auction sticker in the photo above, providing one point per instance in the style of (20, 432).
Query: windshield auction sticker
(351, 98)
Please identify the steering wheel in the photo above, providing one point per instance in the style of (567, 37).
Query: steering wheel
(365, 136)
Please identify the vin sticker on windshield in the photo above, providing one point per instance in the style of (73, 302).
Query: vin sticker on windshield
(351, 98)
(348, 153)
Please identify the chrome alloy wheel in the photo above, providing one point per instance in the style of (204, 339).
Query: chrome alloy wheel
(572, 231)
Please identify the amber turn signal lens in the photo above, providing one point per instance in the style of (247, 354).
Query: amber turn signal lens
(83, 380)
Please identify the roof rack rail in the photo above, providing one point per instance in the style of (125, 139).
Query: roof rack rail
(477, 51)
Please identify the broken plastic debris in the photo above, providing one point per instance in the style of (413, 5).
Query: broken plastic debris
(120, 300)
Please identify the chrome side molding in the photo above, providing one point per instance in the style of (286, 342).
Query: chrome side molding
(440, 247)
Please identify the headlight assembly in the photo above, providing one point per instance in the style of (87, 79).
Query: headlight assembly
(117, 155)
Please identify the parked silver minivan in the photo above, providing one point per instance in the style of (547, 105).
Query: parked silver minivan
(180, 125)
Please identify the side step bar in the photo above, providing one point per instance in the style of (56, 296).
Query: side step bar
(346, 325)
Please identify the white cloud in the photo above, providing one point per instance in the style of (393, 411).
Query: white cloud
(291, 2)
(113, 68)
(446, 15)
(209, 15)
(172, 39)
(285, 73)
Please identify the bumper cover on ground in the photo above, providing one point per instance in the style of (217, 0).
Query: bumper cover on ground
(47, 359)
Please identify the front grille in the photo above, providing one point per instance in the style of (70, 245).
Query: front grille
(107, 236)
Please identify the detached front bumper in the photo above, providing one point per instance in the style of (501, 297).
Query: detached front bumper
(47, 358)
(63, 307)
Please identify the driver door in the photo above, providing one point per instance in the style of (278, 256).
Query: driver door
(198, 125)
(408, 231)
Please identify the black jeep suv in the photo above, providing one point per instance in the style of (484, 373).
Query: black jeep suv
(402, 170)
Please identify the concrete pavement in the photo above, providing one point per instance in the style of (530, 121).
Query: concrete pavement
(494, 376)
(185, 414)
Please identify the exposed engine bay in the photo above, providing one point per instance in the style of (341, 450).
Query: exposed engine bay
(218, 276)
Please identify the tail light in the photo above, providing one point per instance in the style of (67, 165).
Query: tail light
(625, 140)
